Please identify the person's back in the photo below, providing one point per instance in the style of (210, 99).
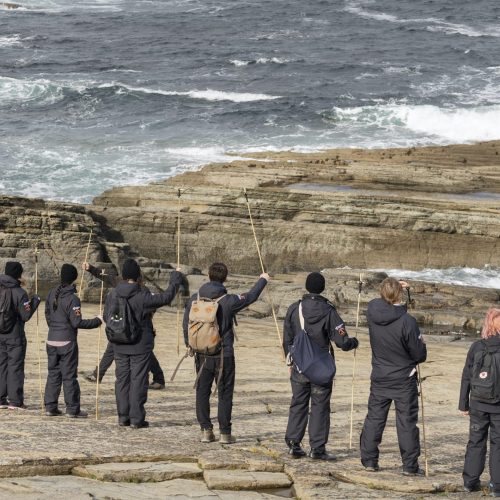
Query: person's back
(221, 366)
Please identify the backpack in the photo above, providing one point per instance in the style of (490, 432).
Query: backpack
(310, 359)
(203, 327)
(8, 317)
(485, 380)
(122, 327)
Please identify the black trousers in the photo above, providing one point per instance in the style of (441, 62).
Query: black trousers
(405, 397)
(12, 355)
(131, 386)
(475, 456)
(303, 393)
(63, 370)
(109, 356)
(209, 366)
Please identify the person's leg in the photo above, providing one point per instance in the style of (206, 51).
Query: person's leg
(495, 451)
(475, 454)
(16, 351)
(203, 390)
(69, 371)
(157, 372)
(54, 380)
(373, 428)
(122, 387)
(406, 402)
(139, 371)
(106, 361)
(299, 408)
(226, 391)
(3, 373)
(319, 420)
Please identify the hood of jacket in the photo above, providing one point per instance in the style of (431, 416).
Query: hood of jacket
(212, 290)
(494, 341)
(315, 308)
(127, 290)
(382, 313)
(8, 281)
(67, 290)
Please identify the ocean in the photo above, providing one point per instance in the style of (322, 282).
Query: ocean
(100, 93)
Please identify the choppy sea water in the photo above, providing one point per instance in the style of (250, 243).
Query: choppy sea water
(100, 93)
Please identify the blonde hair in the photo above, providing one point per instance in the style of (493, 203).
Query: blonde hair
(491, 325)
(391, 291)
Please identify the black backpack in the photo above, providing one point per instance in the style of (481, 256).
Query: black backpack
(7, 315)
(122, 327)
(485, 381)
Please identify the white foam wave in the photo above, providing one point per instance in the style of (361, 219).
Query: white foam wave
(10, 41)
(208, 94)
(260, 60)
(454, 125)
(42, 91)
(487, 277)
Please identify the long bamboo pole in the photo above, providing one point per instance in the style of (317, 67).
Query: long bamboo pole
(178, 321)
(42, 407)
(360, 287)
(86, 259)
(99, 349)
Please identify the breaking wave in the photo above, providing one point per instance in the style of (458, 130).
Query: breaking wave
(260, 60)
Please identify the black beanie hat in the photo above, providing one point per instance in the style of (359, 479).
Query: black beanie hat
(315, 283)
(68, 274)
(13, 269)
(131, 270)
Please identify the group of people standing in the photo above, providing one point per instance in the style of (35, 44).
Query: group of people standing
(396, 343)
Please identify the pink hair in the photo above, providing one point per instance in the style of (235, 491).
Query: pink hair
(491, 326)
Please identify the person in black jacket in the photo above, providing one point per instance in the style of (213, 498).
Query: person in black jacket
(397, 347)
(64, 317)
(208, 366)
(132, 361)
(13, 343)
(483, 416)
(323, 325)
(111, 279)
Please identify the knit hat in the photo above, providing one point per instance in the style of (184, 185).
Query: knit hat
(13, 269)
(315, 283)
(131, 270)
(68, 274)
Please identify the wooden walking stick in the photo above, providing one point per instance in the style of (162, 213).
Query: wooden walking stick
(38, 336)
(178, 265)
(99, 350)
(264, 270)
(411, 303)
(86, 259)
(360, 287)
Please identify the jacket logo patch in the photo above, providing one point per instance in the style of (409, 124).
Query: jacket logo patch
(78, 311)
(483, 375)
(27, 306)
(341, 330)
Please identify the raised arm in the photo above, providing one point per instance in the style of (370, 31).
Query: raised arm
(75, 316)
(155, 300)
(26, 307)
(111, 278)
(338, 333)
(243, 300)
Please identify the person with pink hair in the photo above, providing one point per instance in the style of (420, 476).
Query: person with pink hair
(480, 399)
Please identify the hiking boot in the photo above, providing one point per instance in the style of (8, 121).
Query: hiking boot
(412, 473)
(227, 439)
(295, 450)
(142, 425)
(80, 414)
(372, 468)
(207, 436)
(124, 423)
(4, 405)
(53, 413)
(471, 488)
(156, 386)
(321, 455)
(17, 407)
(493, 492)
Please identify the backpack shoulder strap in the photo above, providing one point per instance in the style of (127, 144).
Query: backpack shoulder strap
(301, 316)
(218, 299)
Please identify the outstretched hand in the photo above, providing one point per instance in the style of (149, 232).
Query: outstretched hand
(265, 276)
(85, 266)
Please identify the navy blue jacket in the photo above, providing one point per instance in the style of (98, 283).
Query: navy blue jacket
(66, 319)
(23, 307)
(229, 306)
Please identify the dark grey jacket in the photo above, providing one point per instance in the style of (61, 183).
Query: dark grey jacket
(23, 307)
(63, 313)
(464, 403)
(143, 303)
(396, 342)
(229, 306)
(321, 322)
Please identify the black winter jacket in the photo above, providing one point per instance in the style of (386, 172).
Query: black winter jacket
(24, 308)
(66, 319)
(321, 322)
(229, 306)
(464, 403)
(396, 342)
(143, 303)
